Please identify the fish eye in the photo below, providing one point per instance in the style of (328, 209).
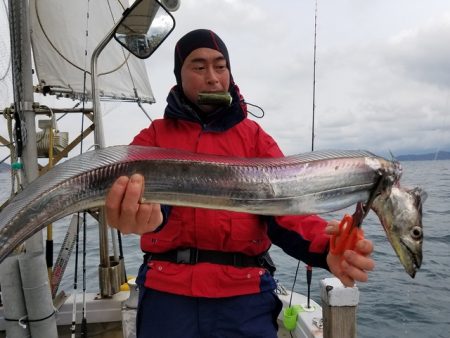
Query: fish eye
(416, 232)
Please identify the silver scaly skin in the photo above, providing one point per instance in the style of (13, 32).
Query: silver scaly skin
(310, 183)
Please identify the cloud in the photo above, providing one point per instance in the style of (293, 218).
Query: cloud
(390, 94)
(422, 54)
(381, 74)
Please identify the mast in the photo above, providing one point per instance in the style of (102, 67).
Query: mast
(30, 265)
(23, 99)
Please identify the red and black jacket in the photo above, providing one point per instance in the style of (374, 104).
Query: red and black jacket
(230, 133)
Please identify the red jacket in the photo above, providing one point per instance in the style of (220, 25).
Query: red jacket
(222, 230)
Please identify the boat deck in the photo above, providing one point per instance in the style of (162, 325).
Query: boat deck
(109, 318)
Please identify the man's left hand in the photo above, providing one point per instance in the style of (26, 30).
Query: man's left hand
(352, 265)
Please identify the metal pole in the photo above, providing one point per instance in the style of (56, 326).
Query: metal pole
(29, 153)
(36, 293)
(110, 277)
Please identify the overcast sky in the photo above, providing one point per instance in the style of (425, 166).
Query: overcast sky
(382, 73)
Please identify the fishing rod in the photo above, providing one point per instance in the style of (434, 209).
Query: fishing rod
(308, 267)
(314, 82)
(75, 283)
(83, 331)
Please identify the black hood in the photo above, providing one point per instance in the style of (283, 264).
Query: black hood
(199, 38)
(179, 107)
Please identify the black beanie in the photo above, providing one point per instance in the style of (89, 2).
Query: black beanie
(199, 38)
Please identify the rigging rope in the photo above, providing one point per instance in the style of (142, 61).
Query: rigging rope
(15, 174)
(138, 99)
(62, 55)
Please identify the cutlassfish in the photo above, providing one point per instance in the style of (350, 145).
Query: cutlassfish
(310, 183)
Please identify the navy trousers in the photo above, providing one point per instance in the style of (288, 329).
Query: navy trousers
(164, 315)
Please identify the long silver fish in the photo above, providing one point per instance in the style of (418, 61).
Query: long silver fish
(311, 183)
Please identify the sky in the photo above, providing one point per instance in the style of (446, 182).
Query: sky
(382, 72)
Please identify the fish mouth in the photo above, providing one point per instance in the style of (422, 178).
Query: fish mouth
(414, 260)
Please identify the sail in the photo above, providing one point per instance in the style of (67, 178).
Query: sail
(64, 35)
(6, 93)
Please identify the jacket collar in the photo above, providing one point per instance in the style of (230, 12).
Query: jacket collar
(178, 107)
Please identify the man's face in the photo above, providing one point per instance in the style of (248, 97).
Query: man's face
(204, 70)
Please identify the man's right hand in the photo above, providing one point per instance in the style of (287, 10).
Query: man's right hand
(124, 210)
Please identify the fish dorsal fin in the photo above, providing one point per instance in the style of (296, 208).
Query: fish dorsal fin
(331, 154)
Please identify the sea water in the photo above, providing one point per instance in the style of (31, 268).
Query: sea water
(391, 303)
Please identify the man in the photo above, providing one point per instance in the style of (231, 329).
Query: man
(206, 273)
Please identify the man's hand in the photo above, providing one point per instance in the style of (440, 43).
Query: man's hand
(124, 210)
(352, 265)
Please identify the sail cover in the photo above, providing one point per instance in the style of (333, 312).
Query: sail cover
(64, 35)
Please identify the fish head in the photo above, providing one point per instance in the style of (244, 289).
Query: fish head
(400, 213)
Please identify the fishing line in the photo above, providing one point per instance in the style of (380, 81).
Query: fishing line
(121, 256)
(293, 284)
(292, 290)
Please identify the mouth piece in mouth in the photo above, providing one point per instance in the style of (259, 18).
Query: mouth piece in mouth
(223, 99)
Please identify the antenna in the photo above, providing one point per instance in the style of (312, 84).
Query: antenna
(314, 82)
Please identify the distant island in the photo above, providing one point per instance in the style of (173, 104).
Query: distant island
(440, 155)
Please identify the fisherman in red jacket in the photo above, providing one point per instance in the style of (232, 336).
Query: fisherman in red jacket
(206, 273)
